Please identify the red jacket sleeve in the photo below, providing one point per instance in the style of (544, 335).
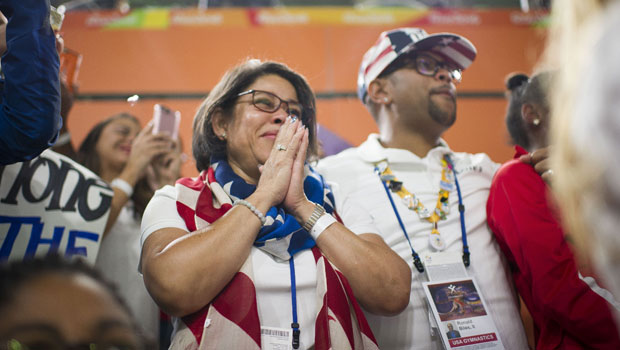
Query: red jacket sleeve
(533, 241)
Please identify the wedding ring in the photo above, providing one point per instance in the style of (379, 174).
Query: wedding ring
(280, 147)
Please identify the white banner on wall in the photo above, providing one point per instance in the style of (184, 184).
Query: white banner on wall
(51, 204)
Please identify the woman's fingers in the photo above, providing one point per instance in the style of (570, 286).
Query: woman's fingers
(277, 170)
(284, 133)
(537, 156)
(145, 141)
(295, 196)
(540, 160)
(158, 147)
(288, 130)
(296, 140)
(146, 149)
(300, 159)
(147, 130)
(176, 146)
(302, 148)
(146, 134)
(285, 145)
(540, 155)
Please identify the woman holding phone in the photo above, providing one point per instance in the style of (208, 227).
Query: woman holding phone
(253, 246)
(135, 162)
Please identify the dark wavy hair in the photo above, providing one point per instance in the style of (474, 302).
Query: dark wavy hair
(523, 89)
(515, 85)
(205, 143)
(87, 156)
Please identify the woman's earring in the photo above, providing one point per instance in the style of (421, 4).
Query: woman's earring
(223, 136)
(536, 122)
(385, 99)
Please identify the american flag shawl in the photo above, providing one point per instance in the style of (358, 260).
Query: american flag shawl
(231, 320)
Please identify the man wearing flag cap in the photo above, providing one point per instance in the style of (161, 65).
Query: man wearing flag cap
(424, 197)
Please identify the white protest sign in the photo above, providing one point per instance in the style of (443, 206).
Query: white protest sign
(51, 204)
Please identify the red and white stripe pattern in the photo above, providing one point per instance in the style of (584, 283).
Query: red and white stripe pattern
(453, 48)
(231, 320)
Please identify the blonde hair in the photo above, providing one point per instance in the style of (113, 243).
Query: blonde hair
(573, 24)
(586, 129)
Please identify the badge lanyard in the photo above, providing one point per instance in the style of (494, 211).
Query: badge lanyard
(388, 180)
(295, 324)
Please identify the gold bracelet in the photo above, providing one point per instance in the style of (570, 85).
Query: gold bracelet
(316, 214)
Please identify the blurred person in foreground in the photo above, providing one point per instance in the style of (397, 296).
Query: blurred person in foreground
(567, 312)
(253, 247)
(30, 97)
(51, 303)
(586, 129)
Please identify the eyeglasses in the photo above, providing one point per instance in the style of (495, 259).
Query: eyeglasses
(425, 65)
(268, 102)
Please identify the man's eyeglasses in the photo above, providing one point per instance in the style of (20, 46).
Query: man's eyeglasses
(425, 65)
(268, 102)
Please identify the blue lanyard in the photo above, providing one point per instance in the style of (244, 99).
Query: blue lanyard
(416, 258)
(466, 253)
(294, 325)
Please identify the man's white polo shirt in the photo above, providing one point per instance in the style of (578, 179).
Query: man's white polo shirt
(353, 171)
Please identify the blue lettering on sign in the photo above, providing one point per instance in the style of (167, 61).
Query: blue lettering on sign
(73, 236)
(35, 240)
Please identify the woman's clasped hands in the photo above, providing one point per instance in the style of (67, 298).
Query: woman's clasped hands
(282, 174)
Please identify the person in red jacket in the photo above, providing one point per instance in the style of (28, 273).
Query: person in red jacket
(567, 312)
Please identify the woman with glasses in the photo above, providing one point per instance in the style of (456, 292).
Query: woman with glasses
(252, 253)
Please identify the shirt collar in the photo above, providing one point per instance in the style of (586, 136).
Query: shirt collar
(372, 151)
(519, 151)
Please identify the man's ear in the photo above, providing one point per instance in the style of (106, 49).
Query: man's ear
(219, 123)
(377, 92)
(530, 114)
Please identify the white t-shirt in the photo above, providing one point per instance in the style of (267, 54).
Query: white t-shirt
(353, 170)
(118, 254)
(272, 279)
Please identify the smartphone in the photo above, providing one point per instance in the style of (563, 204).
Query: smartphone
(166, 120)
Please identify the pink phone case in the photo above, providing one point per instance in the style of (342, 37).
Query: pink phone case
(165, 120)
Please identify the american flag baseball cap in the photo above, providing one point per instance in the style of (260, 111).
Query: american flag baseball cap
(391, 44)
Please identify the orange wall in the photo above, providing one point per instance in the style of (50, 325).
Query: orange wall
(164, 57)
